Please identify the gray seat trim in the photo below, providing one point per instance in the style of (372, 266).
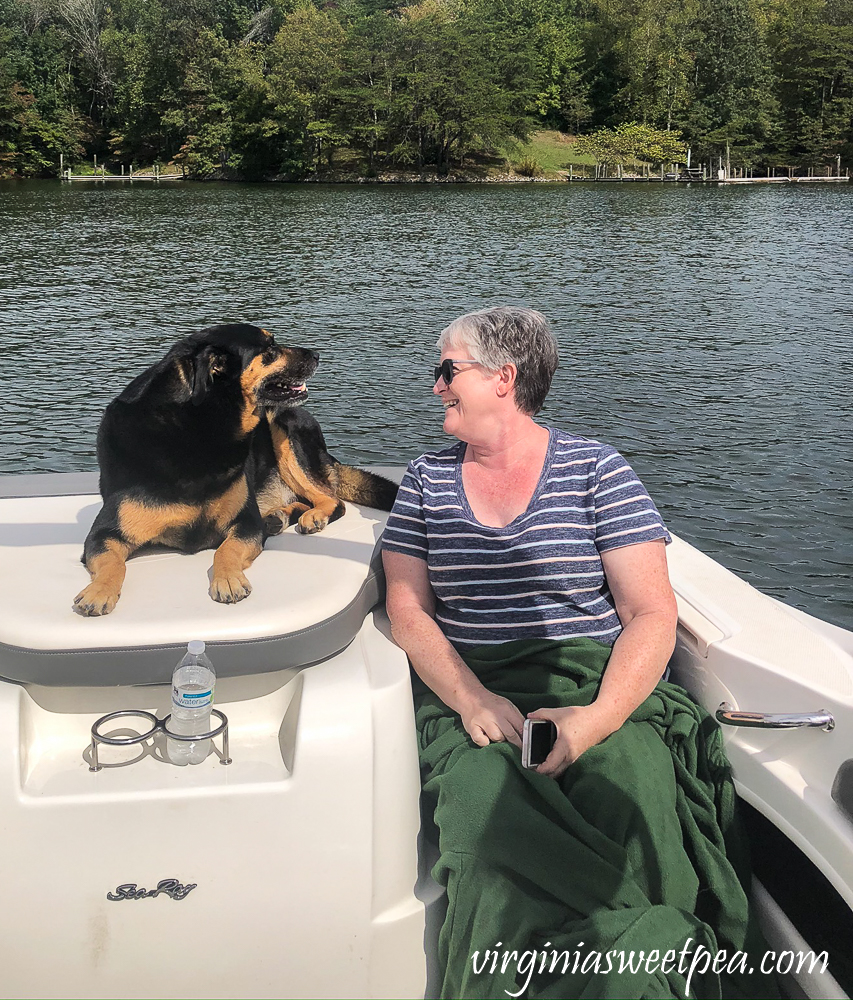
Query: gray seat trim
(154, 664)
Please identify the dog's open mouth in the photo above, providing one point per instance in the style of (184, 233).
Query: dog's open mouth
(279, 389)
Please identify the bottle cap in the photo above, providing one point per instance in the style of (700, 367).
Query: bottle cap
(195, 646)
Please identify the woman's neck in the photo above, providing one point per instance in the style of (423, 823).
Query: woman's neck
(508, 444)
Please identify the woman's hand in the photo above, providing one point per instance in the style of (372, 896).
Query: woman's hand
(489, 718)
(579, 727)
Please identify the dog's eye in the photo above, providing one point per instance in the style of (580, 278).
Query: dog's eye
(269, 355)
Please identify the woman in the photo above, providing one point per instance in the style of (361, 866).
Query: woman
(520, 564)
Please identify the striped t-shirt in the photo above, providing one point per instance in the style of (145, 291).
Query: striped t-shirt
(540, 576)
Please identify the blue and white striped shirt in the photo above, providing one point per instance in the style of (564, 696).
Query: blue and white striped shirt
(540, 576)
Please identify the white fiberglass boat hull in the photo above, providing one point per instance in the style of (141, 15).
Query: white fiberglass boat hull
(302, 851)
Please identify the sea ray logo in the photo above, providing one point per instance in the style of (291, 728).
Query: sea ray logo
(170, 886)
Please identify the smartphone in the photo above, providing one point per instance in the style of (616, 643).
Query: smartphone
(537, 738)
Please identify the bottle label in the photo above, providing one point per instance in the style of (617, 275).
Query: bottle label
(192, 699)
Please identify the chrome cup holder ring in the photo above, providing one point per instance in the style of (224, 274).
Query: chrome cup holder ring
(124, 741)
(157, 726)
(221, 728)
(120, 741)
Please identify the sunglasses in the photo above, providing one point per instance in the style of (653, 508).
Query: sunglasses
(445, 370)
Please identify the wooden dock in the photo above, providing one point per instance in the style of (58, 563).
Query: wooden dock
(784, 180)
(626, 179)
(122, 177)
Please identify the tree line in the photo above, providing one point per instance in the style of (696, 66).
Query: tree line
(275, 88)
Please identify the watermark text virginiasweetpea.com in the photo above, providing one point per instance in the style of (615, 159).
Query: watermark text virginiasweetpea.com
(689, 961)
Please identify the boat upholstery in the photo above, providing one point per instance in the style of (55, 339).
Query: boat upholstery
(311, 594)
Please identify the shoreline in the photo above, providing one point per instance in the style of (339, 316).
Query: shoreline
(426, 179)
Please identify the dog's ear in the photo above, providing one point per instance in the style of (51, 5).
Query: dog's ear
(207, 363)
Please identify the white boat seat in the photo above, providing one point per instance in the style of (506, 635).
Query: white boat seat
(310, 596)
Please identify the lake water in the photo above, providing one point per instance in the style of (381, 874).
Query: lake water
(705, 332)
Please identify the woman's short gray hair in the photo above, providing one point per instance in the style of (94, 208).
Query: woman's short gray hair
(509, 335)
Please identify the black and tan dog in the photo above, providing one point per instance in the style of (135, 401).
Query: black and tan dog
(186, 453)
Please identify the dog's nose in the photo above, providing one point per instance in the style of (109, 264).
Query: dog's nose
(314, 355)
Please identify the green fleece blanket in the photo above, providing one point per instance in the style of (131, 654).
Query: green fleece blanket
(625, 878)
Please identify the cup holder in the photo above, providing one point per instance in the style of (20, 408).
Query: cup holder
(156, 726)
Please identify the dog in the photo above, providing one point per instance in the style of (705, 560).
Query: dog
(188, 448)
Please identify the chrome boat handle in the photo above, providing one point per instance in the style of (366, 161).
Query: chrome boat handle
(822, 719)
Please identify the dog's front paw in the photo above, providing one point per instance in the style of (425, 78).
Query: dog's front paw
(273, 524)
(230, 589)
(96, 600)
(276, 520)
(312, 521)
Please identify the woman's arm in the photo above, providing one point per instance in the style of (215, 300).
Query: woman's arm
(639, 582)
(411, 607)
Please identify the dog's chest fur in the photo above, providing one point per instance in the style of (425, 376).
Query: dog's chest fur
(272, 494)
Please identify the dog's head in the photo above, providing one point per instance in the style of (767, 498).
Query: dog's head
(237, 354)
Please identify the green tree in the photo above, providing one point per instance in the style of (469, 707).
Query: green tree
(632, 141)
(305, 69)
(30, 144)
(546, 36)
(38, 115)
(464, 91)
(201, 114)
(734, 102)
(812, 46)
(654, 48)
(370, 84)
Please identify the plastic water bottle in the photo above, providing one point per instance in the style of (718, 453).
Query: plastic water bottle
(192, 700)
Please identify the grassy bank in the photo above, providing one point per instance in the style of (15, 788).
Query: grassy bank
(548, 155)
(553, 152)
